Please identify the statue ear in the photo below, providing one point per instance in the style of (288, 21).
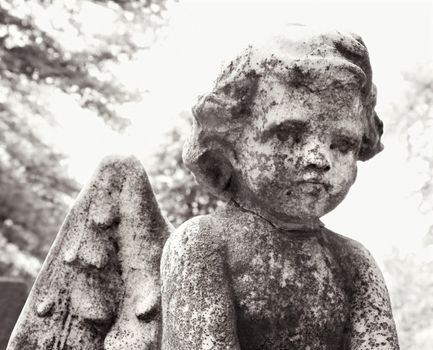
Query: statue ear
(215, 172)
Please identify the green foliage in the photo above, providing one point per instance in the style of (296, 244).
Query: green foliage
(180, 197)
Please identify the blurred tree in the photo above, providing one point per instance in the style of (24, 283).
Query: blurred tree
(411, 288)
(411, 278)
(33, 188)
(51, 47)
(56, 43)
(413, 124)
(175, 188)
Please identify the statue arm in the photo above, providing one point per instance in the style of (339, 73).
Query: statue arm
(197, 304)
(371, 323)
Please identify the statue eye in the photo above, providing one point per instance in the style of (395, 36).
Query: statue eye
(290, 131)
(344, 145)
(285, 136)
(147, 315)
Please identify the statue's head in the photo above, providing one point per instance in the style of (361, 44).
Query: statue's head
(286, 123)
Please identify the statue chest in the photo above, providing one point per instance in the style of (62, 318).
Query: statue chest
(287, 293)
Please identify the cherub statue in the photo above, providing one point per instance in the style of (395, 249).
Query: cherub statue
(278, 139)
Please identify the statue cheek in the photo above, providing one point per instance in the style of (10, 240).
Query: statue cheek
(354, 172)
(351, 170)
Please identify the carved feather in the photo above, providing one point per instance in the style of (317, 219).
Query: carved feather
(99, 287)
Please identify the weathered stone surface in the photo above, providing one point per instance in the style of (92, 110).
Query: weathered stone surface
(279, 137)
(99, 287)
(13, 293)
(233, 280)
(281, 113)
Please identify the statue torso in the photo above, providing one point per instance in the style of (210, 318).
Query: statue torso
(289, 288)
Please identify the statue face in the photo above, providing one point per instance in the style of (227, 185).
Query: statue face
(297, 159)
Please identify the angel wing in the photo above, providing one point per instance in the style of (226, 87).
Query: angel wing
(99, 287)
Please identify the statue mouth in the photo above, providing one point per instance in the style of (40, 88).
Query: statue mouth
(311, 186)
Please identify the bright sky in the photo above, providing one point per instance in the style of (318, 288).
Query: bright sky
(399, 34)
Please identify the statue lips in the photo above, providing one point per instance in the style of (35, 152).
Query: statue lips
(313, 186)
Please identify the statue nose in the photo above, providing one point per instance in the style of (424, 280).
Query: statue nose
(316, 158)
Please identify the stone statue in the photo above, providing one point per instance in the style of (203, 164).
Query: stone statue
(278, 139)
(99, 287)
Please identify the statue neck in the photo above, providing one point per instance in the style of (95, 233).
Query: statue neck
(291, 224)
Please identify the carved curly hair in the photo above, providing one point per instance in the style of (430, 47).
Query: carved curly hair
(221, 115)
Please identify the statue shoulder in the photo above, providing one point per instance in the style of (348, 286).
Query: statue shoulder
(197, 305)
(192, 231)
(353, 255)
(195, 240)
(371, 320)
